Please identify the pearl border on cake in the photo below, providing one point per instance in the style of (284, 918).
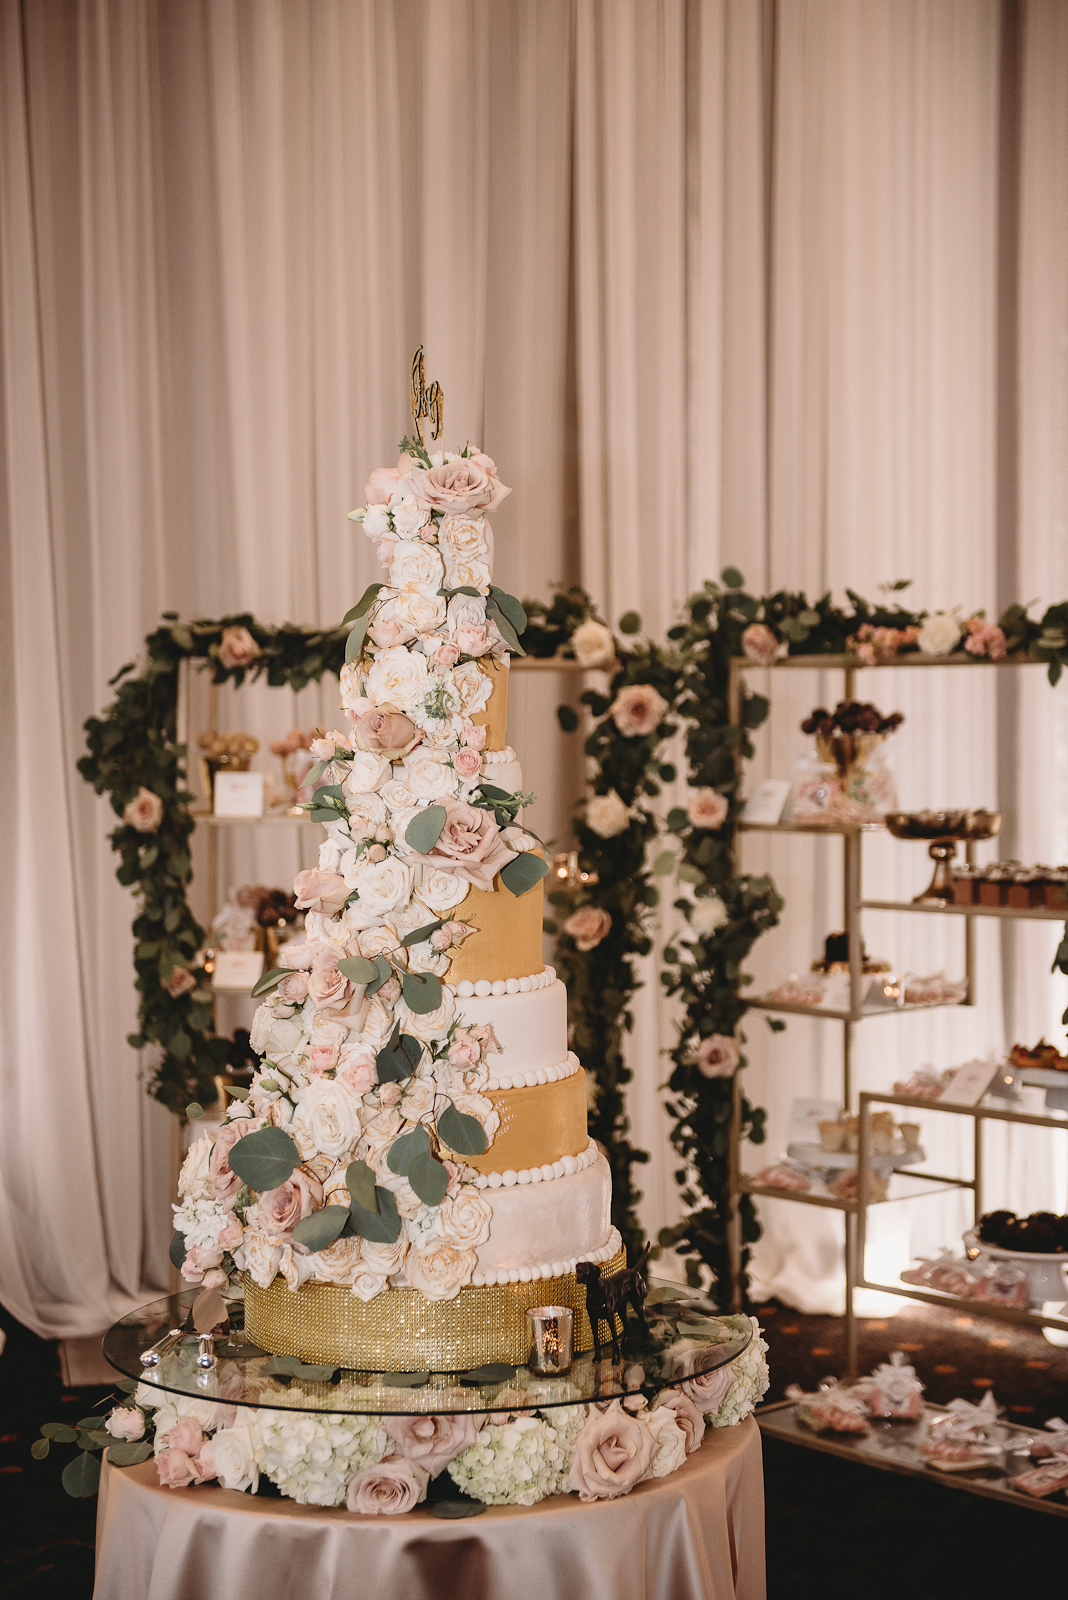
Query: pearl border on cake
(482, 988)
(566, 1167)
(548, 1269)
(530, 1077)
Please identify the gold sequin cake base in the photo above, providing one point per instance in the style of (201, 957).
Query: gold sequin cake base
(402, 1331)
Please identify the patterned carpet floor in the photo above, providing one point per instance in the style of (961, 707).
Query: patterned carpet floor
(829, 1522)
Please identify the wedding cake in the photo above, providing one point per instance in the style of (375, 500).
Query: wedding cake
(411, 1169)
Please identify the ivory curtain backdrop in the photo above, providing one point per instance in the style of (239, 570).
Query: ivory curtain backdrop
(783, 285)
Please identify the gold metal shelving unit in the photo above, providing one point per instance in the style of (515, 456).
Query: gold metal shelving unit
(904, 1186)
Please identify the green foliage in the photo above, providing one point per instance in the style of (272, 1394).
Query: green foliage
(524, 872)
(265, 1159)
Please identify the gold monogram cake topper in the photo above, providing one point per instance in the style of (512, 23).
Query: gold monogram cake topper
(428, 403)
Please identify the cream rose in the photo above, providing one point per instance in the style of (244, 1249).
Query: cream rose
(262, 1256)
(386, 627)
(638, 710)
(408, 517)
(144, 812)
(593, 645)
(315, 890)
(417, 1099)
(707, 808)
(126, 1422)
(612, 1453)
(467, 575)
(716, 1056)
(464, 1218)
(434, 1441)
(428, 775)
(462, 537)
(328, 988)
(439, 1272)
(588, 926)
(194, 1180)
(416, 565)
(472, 687)
(424, 612)
(686, 1414)
(441, 891)
(366, 1285)
(428, 1025)
(384, 1259)
(606, 814)
(392, 1487)
(386, 732)
(327, 1120)
(369, 770)
(338, 1263)
(237, 648)
(470, 844)
(231, 1456)
(669, 1442)
(398, 677)
(759, 643)
(383, 886)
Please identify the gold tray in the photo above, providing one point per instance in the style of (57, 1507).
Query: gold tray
(401, 1330)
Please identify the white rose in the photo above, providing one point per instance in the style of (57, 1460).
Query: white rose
(375, 521)
(328, 1118)
(366, 812)
(380, 941)
(420, 609)
(593, 645)
(386, 628)
(417, 1099)
(408, 517)
(441, 891)
(397, 677)
(277, 1037)
(368, 770)
(384, 1258)
(234, 1455)
(473, 687)
(377, 1024)
(424, 958)
(606, 814)
(330, 852)
(467, 575)
(261, 1257)
(940, 634)
(440, 1271)
(466, 611)
(326, 1031)
(397, 794)
(339, 1262)
(193, 1180)
(165, 1419)
(708, 915)
(365, 1285)
(428, 775)
(383, 886)
(416, 565)
(464, 1218)
(351, 685)
(670, 1442)
(430, 1024)
(463, 537)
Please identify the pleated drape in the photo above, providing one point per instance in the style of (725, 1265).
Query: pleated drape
(715, 281)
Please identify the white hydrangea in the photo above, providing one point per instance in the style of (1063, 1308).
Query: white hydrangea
(201, 1221)
(313, 1456)
(750, 1382)
(521, 1461)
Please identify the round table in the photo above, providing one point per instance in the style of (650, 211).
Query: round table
(697, 1534)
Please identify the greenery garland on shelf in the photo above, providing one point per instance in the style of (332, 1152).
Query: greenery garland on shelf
(601, 923)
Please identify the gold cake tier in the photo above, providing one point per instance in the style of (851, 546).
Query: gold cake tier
(495, 716)
(540, 1124)
(508, 941)
(402, 1331)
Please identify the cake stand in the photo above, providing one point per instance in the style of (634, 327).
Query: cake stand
(687, 1336)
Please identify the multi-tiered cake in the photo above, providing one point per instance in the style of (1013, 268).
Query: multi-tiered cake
(412, 1168)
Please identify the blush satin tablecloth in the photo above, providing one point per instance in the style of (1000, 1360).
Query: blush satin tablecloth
(696, 1535)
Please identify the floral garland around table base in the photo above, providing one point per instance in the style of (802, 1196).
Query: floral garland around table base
(384, 1465)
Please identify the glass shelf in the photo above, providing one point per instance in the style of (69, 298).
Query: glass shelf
(841, 1015)
(278, 819)
(1035, 913)
(831, 829)
(902, 1186)
(839, 663)
(687, 1337)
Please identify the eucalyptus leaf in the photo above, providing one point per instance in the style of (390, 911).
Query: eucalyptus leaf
(358, 969)
(382, 1226)
(688, 873)
(320, 1230)
(422, 992)
(193, 1111)
(269, 980)
(383, 971)
(490, 791)
(492, 1372)
(90, 1423)
(511, 607)
(364, 603)
(406, 1149)
(64, 1435)
(420, 935)
(361, 1185)
(429, 1179)
(354, 643)
(39, 1449)
(462, 1133)
(50, 1429)
(129, 1452)
(404, 1380)
(265, 1159)
(177, 1250)
(523, 873)
(663, 864)
(81, 1477)
(424, 830)
(293, 1367)
(507, 632)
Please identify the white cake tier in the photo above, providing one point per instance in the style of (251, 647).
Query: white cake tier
(547, 1225)
(530, 1028)
(501, 768)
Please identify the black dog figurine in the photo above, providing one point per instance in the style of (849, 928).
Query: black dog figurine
(607, 1299)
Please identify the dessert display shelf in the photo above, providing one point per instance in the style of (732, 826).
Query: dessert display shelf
(687, 1336)
(814, 1155)
(894, 1446)
(902, 1186)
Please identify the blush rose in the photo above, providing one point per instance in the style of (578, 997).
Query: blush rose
(325, 892)
(716, 1056)
(433, 1441)
(588, 926)
(144, 812)
(638, 710)
(387, 732)
(612, 1453)
(237, 648)
(759, 643)
(392, 1486)
(469, 844)
(707, 808)
(277, 1211)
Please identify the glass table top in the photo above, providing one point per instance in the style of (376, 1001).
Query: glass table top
(686, 1336)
